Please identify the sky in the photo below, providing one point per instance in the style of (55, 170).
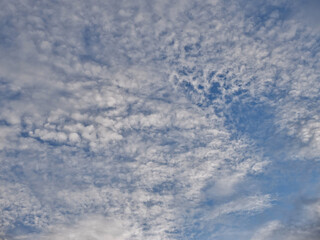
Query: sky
(159, 120)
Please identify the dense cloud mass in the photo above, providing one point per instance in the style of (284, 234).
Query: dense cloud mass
(159, 120)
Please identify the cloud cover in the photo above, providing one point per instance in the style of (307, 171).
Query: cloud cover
(156, 118)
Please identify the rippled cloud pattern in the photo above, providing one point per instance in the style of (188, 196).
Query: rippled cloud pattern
(177, 120)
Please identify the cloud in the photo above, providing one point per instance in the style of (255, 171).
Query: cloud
(144, 166)
(309, 225)
(306, 12)
(128, 114)
(267, 231)
(93, 227)
(249, 204)
(303, 225)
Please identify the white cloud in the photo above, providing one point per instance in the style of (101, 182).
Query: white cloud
(251, 204)
(93, 227)
(111, 108)
(267, 231)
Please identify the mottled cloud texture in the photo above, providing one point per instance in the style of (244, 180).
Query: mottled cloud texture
(159, 120)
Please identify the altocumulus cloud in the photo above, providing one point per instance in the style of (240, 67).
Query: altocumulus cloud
(155, 119)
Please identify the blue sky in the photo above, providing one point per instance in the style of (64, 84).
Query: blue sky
(124, 120)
